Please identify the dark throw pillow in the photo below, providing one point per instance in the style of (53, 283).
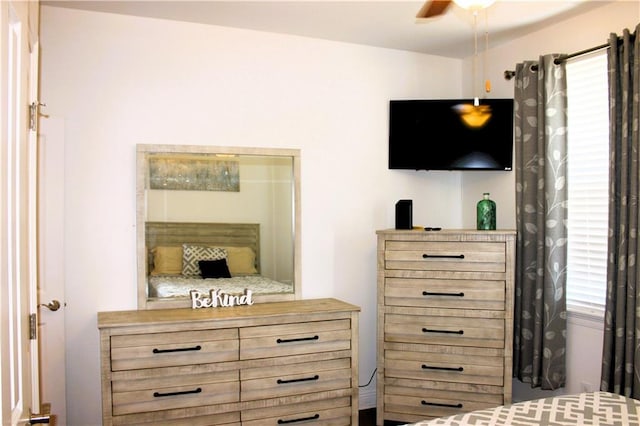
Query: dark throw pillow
(214, 268)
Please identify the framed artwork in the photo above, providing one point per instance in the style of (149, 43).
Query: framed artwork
(190, 174)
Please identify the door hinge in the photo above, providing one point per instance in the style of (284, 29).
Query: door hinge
(44, 416)
(33, 326)
(33, 115)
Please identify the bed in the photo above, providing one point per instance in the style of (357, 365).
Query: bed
(185, 256)
(584, 409)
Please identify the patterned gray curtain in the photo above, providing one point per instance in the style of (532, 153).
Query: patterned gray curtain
(621, 356)
(541, 211)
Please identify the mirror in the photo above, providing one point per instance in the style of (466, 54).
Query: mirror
(217, 218)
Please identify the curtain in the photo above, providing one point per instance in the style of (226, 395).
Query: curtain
(621, 354)
(541, 211)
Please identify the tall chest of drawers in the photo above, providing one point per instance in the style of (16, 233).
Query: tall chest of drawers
(445, 322)
(275, 363)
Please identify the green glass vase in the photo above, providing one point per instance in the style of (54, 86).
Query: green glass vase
(486, 213)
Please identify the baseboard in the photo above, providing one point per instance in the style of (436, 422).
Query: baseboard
(367, 397)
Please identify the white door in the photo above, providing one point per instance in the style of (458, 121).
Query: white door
(18, 233)
(51, 260)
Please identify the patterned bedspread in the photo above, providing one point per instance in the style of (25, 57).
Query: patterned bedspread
(179, 286)
(585, 409)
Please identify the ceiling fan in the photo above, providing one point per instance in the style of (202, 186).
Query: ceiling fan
(433, 8)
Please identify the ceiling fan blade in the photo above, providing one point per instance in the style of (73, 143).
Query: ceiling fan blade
(433, 8)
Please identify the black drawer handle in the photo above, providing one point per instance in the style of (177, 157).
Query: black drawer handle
(437, 404)
(443, 256)
(164, 351)
(433, 293)
(302, 419)
(299, 339)
(304, 379)
(430, 367)
(428, 330)
(189, 392)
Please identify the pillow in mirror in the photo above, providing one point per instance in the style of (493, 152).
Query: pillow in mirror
(241, 260)
(214, 268)
(192, 254)
(167, 260)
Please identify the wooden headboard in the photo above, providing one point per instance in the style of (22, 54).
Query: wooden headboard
(209, 234)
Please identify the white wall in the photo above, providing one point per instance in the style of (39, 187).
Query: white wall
(116, 81)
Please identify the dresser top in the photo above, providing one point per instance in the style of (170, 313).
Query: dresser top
(418, 233)
(166, 316)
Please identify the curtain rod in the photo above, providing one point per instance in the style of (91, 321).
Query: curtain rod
(508, 74)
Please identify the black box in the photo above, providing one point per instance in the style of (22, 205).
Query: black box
(404, 214)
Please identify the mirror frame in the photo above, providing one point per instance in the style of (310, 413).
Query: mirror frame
(144, 302)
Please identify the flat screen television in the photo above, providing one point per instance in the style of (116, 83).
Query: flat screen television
(430, 135)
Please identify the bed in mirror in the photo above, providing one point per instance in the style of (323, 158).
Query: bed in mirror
(217, 218)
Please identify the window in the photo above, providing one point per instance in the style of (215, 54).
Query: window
(588, 183)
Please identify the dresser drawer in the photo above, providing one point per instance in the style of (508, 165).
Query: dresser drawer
(333, 412)
(489, 395)
(179, 418)
(168, 349)
(295, 379)
(443, 293)
(439, 397)
(152, 378)
(216, 389)
(415, 408)
(445, 256)
(445, 367)
(445, 330)
(294, 339)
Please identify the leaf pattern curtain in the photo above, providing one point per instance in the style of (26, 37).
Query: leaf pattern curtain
(621, 352)
(541, 211)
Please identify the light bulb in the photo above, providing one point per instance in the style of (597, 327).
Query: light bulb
(474, 4)
(473, 115)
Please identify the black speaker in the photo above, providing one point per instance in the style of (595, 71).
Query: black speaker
(404, 214)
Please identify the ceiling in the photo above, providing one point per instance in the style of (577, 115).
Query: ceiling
(388, 24)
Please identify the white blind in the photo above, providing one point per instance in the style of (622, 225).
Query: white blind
(588, 182)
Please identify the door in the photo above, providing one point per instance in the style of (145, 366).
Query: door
(18, 233)
(51, 264)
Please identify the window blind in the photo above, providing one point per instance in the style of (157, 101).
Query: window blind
(588, 182)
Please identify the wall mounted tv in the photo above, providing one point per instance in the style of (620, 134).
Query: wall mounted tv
(430, 135)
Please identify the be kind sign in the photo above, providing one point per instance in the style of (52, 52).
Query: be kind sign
(216, 298)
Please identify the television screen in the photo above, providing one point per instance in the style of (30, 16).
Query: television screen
(432, 135)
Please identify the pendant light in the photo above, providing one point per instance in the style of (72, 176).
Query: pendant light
(476, 115)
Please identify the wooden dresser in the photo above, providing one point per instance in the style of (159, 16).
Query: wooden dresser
(266, 364)
(445, 322)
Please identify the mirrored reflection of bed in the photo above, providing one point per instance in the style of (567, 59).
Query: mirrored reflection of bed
(584, 409)
(242, 199)
(204, 256)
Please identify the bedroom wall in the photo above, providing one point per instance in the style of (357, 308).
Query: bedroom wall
(113, 81)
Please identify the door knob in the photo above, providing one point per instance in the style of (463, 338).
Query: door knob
(54, 305)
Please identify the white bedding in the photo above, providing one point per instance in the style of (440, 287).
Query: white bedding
(179, 286)
(584, 409)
